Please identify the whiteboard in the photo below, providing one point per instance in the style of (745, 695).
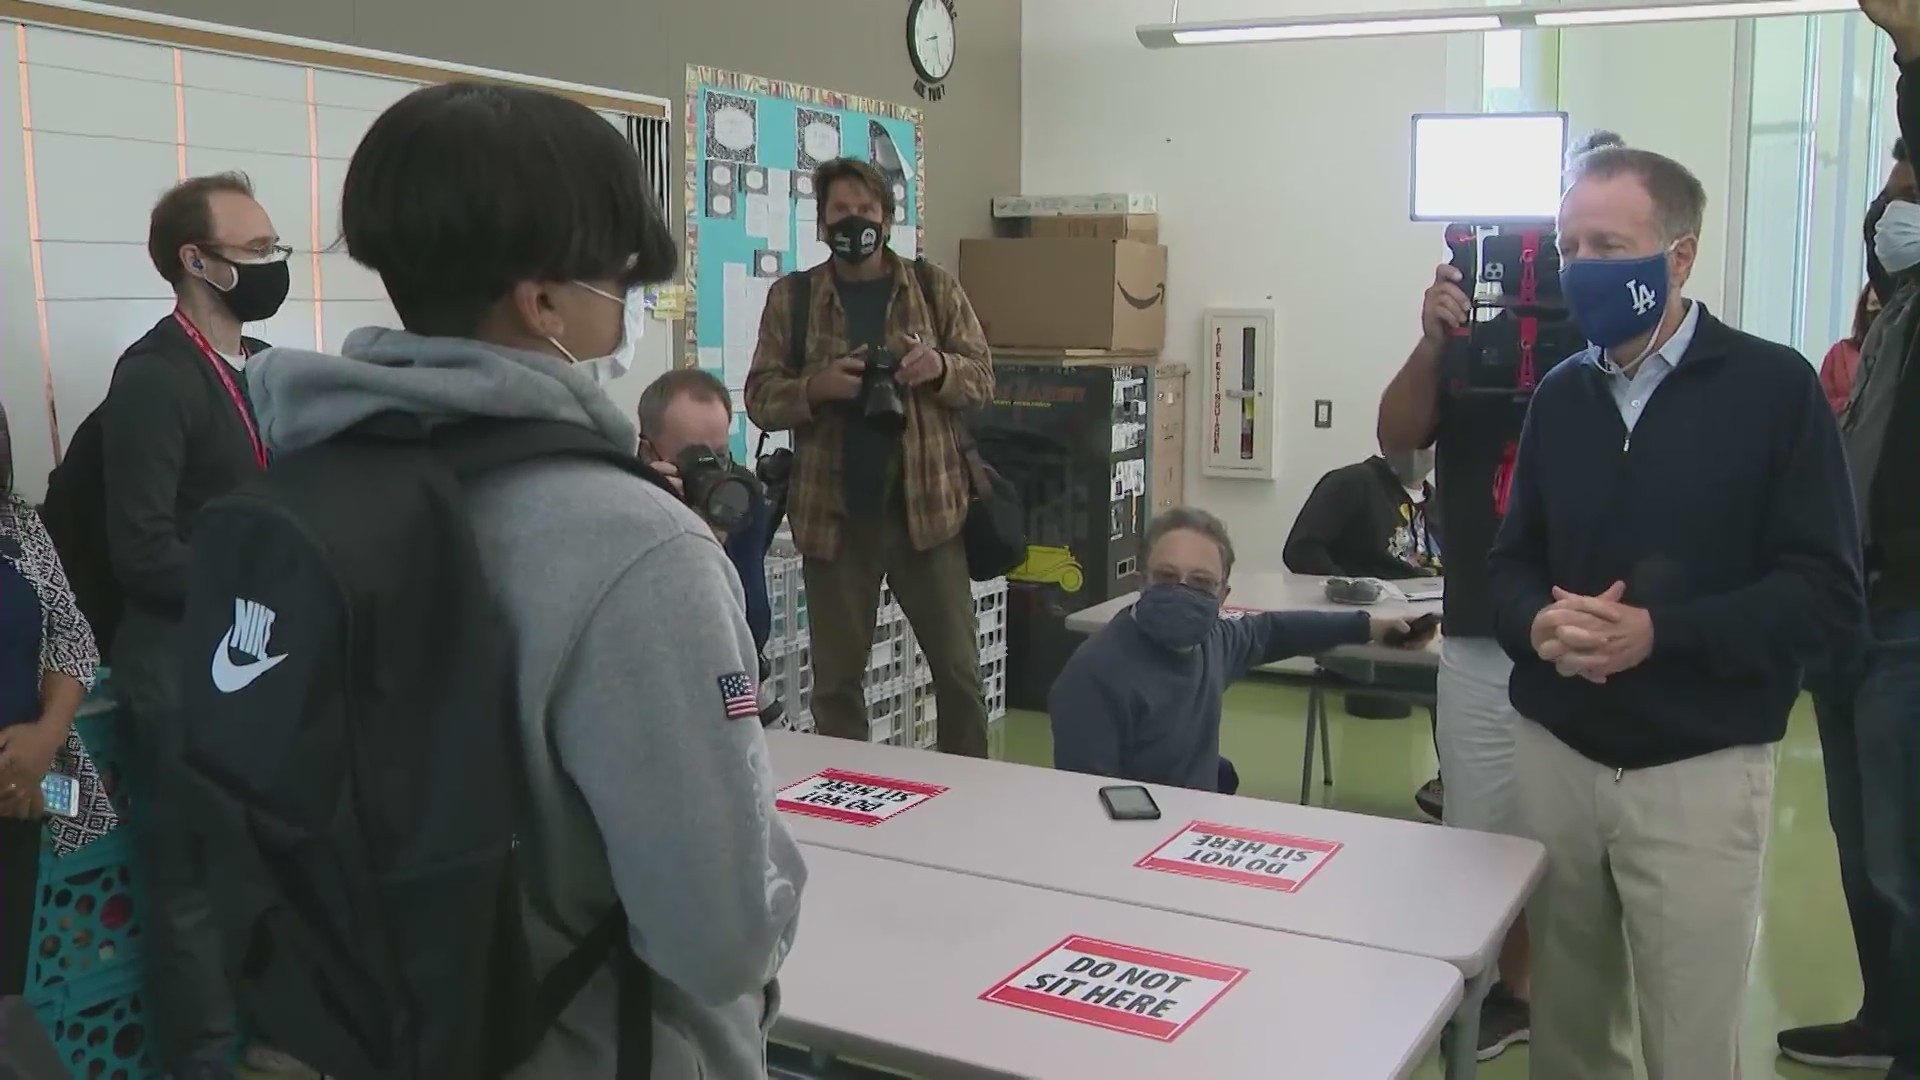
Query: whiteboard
(92, 130)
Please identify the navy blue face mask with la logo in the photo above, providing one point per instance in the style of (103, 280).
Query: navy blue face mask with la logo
(1616, 300)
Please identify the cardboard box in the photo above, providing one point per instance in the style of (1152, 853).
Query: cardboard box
(1068, 294)
(1144, 228)
(1027, 206)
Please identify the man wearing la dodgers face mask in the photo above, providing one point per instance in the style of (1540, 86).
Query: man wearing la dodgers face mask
(1679, 540)
(1140, 700)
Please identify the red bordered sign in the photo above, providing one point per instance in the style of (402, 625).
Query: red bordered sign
(1154, 995)
(1264, 860)
(853, 798)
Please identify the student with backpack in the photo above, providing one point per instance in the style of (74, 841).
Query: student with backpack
(470, 697)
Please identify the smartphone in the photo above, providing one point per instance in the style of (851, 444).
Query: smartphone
(62, 794)
(1130, 802)
(1416, 629)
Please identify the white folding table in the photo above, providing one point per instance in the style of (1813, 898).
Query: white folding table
(892, 961)
(1445, 894)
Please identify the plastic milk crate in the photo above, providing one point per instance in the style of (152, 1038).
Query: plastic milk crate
(993, 681)
(100, 1026)
(990, 614)
(892, 657)
(890, 713)
(89, 915)
(786, 599)
(791, 664)
(90, 909)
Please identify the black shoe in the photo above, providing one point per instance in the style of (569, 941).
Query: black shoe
(1504, 1020)
(1432, 800)
(1837, 1046)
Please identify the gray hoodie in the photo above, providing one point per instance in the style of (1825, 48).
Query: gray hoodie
(627, 619)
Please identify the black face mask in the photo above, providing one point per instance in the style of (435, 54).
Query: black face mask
(258, 289)
(855, 239)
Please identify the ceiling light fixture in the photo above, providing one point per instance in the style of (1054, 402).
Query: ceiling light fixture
(1476, 19)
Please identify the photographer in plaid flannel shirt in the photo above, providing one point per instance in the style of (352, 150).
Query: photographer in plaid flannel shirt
(875, 397)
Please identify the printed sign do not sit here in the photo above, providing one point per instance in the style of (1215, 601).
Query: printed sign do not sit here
(1264, 860)
(853, 798)
(1154, 995)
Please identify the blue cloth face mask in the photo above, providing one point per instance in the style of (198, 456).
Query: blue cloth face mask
(1617, 300)
(1176, 617)
(1896, 237)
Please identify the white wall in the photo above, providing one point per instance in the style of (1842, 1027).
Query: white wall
(1282, 177)
(1668, 88)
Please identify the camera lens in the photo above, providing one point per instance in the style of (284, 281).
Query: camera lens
(727, 502)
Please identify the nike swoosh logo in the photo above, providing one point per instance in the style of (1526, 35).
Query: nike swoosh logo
(1139, 304)
(231, 678)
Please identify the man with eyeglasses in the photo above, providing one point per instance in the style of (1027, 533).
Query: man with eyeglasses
(177, 432)
(1140, 699)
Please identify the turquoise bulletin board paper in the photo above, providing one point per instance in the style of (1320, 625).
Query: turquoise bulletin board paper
(752, 144)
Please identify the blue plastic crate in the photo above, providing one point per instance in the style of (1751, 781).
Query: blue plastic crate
(90, 913)
(100, 1026)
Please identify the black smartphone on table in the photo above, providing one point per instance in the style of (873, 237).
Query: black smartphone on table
(1129, 802)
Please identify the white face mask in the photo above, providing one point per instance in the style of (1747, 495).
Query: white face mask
(1896, 240)
(605, 369)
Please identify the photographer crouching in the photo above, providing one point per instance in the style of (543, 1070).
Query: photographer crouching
(686, 419)
(871, 360)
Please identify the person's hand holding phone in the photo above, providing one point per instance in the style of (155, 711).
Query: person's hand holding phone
(1405, 631)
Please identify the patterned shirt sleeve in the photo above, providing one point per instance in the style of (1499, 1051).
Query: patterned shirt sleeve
(66, 641)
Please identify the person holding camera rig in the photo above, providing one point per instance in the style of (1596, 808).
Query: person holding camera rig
(871, 360)
(1473, 436)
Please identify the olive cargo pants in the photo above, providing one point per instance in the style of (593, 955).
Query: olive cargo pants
(843, 600)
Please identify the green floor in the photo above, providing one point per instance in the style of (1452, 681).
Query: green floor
(1804, 970)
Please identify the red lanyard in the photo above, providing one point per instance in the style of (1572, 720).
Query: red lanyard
(225, 373)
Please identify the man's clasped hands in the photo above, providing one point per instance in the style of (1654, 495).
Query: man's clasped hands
(1593, 637)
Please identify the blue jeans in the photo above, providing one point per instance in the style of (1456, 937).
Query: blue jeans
(1885, 732)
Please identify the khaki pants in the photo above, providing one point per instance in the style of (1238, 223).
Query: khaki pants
(1652, 890)
(843, 600)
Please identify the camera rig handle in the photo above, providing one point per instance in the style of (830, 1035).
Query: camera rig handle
(1463, 242)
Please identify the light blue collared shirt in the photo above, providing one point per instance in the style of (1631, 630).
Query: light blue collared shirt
(1632, 392)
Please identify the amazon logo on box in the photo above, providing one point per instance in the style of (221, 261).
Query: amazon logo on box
(1065, 293)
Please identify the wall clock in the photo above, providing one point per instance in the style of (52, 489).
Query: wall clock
(930, 45)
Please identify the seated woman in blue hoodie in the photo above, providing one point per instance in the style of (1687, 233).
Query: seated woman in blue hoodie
(1140, 699)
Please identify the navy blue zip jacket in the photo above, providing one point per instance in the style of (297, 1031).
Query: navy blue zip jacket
(1729, 515)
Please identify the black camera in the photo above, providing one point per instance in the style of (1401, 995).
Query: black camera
(719, 490)
(880, 400)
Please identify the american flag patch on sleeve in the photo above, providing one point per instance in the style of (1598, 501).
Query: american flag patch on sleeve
(738, 695)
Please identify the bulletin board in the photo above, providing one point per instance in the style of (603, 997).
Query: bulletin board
(752, 146)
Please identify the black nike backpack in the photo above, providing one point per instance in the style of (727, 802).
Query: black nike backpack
(351, 761)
